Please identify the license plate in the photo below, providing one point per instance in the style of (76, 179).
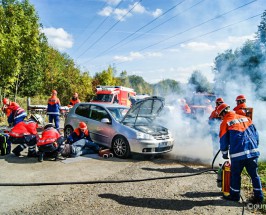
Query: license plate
(162, 144)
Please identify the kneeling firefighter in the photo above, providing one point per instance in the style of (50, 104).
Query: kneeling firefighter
(239, 136)
(51, 143)
(25, 134)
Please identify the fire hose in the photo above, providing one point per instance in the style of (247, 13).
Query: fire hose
(115, 182)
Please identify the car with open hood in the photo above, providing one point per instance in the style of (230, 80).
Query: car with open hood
(121, 129)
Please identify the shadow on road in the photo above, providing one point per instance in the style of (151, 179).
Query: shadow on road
(164, 204)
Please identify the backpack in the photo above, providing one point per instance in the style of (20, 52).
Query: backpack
(5, 144)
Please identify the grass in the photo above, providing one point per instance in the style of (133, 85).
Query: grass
(247, 185)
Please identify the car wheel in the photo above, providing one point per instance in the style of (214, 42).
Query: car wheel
(68, 130)
(121, 147)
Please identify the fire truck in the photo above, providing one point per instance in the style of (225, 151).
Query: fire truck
(114, 94)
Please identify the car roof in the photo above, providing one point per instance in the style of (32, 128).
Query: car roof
(104, 104)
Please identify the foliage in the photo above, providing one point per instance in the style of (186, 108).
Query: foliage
(199, 82)
(166, 87)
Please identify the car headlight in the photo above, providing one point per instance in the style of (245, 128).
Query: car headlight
(144, 136)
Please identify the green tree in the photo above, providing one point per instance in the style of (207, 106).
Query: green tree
(167, 87)
(199, 82)
(261, 33)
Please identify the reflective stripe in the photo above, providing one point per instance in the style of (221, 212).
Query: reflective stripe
(243, 153)
(236, 121)
(56, 113)
(20, 115)
(259, 189)
(47, 140)
(224, 152)
(234, 189)
(14, 134)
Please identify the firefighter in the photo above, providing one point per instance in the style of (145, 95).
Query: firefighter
(51, 142)
(214, 123)
(241, 105)
(53, 109)
(80, 142)
(6, 104)
(74, 100)
(239, 136)
(25, 134)
(184, 107)
(14, 112)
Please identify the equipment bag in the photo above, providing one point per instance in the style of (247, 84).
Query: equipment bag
(5, 144)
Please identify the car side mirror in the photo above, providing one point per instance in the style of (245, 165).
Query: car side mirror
(105, 120)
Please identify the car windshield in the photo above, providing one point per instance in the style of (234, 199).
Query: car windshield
(104, 97)
(118, 113)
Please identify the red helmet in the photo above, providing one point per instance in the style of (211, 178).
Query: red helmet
(221, 108)
(5, 101)
(219, 100)
(54, 92)
(82, 125)
(240, 97)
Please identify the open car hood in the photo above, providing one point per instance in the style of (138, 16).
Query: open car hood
(147, 108)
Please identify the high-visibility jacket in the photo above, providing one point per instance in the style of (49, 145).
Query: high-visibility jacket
(239, 136)
(214, 114)
(186, 109)
(49, 135)
(240, 109)
(77, 134)
(24, 128)
(73, 102)
(53, 106)
(17, 113)
(8, 109)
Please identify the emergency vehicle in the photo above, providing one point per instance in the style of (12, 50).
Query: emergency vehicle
(114, 94)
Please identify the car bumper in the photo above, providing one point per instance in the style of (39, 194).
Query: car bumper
(151, 146)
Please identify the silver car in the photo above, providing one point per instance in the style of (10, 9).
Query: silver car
(122, 129)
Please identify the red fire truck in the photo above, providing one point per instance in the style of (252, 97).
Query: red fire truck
(114, 94)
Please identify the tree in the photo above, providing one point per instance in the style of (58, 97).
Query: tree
(261, 33)
(199, 82)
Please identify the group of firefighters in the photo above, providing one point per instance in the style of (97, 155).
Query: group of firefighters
(25, 134)
(238, 138)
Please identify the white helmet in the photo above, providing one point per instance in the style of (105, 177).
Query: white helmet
(38, 118)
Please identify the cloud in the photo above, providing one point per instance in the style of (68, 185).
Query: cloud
(137, 55)
(107, 11)
(157, 13)
(229, 42)
(119, 13)
(113, 2)
(58, 38)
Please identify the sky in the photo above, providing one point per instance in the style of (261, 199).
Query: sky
(154, 39)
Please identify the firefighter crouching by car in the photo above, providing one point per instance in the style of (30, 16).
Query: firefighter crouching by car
(239, 136)
(80, 143)
(51, 143)
(214, 123)
(25, 134)
(14, 112)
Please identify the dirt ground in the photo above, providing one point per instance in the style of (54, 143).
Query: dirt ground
(185, 195)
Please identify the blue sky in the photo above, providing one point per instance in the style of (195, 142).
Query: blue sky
(155, 39)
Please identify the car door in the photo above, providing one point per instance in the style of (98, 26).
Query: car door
(101, 133)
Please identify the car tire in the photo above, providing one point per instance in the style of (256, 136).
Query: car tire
(121, 147)
(68, 130)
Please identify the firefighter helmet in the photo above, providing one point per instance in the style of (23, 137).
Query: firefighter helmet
(221, 108)
(49, 125)
(219, 100)
(82, 125)
(37, 117)
(240, 97)
(5, 101)
(54, 92)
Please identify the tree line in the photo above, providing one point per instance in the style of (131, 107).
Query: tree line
(30, 67)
